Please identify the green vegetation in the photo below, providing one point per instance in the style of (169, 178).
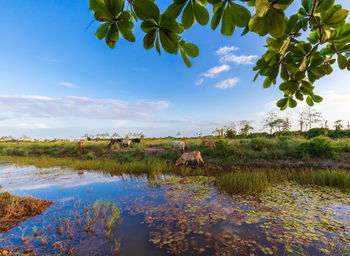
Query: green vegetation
(302, 48)
(158, 153)
(258, 180)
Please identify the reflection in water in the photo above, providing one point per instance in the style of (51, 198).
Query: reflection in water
(97, 214)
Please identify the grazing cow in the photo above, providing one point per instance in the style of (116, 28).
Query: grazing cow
(81, 144)
(114, 141)
(126, 143)
(191, 157)
(135, 140)
(208, 144)
(178, 144)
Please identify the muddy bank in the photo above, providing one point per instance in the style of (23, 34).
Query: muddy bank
(15, 209)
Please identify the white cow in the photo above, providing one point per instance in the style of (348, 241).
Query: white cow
(126, 143)
(178, 144)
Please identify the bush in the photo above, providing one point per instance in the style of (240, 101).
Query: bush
(321, 147)
(259, 143)
(314, 132)
(90, 155)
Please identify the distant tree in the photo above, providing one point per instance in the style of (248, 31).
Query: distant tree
(269, 121)
(348, 126)
(338, 125)
(115, 134)
(220, 132)
(178, 134)
(286, 126)
(86, 136)
(230, 133)
(310, 116)
(325, 124)
(245, 127)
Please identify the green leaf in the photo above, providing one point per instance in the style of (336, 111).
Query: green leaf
(125, 29)
(147, 26)
(282, 102)
(200, 13)
(303, 65)
(284, 86)
(185, 58)
(241, 15)
(337, 19)
(284, 46)
(342, 61)
(227, 24)
(169, 41)
(100, 10)
(115, 6)
(148, 40)
(261, 7)
(191, 49)
(102, 31)
(267, 83)
(260, 25)
(112, 36)
(309, 101)
(217, 17)
(146, 9)
(278, 23)
(324, 5)
(187, 18)
(307, 4)
(174, 10)
(299, 95)
(292, 103)
(316, 98)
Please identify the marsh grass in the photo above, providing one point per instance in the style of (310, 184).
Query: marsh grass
(258, 180)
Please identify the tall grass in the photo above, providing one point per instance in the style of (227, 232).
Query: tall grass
(257, 181)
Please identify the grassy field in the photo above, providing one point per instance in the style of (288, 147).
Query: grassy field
(226, 151)
(156, 156)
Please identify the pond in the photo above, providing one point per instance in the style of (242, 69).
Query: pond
(100, 214)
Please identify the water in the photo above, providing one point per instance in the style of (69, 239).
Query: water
(172, 215)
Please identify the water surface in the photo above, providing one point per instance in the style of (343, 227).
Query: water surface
(172, 215)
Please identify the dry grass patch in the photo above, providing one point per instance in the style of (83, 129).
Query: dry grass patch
(15, 209)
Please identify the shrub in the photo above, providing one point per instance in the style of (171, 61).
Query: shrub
(90, 155)
(321, 146)
(259, 143)
(314, 132)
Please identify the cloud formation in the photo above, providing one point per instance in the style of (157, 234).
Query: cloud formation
(226, 50)
(107, 109)
(226, 56)
(228, 83)
(215, 71)
(67, 84)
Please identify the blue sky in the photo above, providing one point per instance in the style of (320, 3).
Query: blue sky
(58, 80)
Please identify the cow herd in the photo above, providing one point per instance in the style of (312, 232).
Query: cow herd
(185, 159)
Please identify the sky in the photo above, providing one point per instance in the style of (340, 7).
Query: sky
(58, 81)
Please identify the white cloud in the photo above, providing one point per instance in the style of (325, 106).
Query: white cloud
(67, 84)
(228, 83)
(107, 109)
(33, 126)
(226, 50)
(240, 60)
(199, 81)
(215, 71)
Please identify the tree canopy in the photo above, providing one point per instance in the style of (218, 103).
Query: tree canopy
(300, 49)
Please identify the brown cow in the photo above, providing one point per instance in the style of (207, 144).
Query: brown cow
(81, 144)
(194, 156)
(208, 144)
